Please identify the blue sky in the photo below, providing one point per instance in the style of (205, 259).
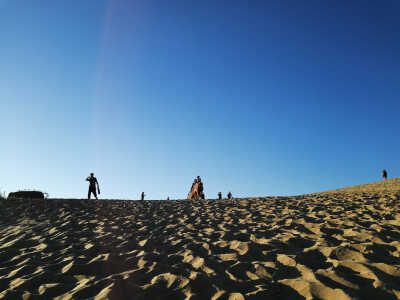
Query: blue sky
(258, 97)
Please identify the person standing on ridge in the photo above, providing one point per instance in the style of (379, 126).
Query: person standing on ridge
(92, 185)
(142, 197)
(219, 195)
(384, 174)
(201, 189)
(229, 195)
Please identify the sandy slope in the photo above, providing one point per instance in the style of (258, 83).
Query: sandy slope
(339, 244)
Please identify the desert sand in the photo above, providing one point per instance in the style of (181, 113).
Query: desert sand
(340, 244)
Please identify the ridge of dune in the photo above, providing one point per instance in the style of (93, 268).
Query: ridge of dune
(390, 185)
(341, 244)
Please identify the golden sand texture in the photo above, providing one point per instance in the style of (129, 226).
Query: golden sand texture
(340, 244)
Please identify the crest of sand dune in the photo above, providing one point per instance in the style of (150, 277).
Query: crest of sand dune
(339, 244)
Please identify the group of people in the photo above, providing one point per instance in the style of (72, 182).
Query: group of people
(196, 191)
(229, 196)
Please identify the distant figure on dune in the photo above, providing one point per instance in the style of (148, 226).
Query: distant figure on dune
(142, 196)
(229, 195)
(200, 188)
(92, 185)
(384, 174)
(167, 198)
(219, 195)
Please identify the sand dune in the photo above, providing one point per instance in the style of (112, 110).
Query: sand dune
(340, 244)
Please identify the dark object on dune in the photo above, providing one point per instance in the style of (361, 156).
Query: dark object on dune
(27, 195)
(384, 174)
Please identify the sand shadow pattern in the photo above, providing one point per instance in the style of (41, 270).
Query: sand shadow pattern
(334, 244)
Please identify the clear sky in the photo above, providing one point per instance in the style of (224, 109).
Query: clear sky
(257, 97)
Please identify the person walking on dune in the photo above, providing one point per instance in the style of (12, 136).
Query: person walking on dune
(384, 174)
(92, 185)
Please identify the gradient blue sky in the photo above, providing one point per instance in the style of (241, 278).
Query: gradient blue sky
(258, 97)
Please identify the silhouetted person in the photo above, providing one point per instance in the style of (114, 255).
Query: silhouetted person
(384, 174)
(219, 195)
(200, 189)
(194, 193)
(229, 195)
(92, 185)
(191, 189)
(142, 196)
(167, 198)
